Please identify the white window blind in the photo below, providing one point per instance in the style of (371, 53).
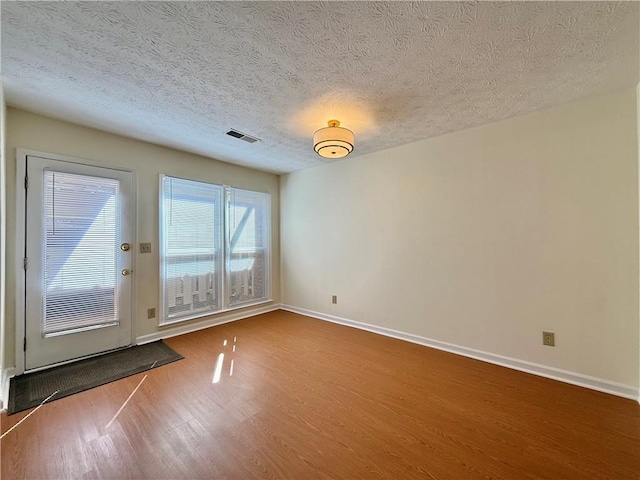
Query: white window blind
(214, 248)
(191, 248)
(248, 246)
(80, 250)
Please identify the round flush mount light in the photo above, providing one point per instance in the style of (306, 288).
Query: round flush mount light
(333, 141)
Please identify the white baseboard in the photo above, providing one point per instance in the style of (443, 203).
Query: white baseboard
(7, 373)
(594, 383)
(188, 327)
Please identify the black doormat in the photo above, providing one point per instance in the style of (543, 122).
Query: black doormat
(29, 390)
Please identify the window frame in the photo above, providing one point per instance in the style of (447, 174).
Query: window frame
(225, 275)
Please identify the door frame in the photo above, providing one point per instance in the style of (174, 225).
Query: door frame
(20, 246)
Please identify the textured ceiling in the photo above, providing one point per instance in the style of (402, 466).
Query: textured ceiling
(182, 73)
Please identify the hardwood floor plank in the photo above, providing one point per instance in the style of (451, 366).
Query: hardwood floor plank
(310, 399)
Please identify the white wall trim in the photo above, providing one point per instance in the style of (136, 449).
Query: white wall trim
(18, 270)
(638, 164)
(593, 383)
(173, 331)
(3, 236)
(7, 374)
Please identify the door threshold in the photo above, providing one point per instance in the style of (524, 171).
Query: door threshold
(46, 367)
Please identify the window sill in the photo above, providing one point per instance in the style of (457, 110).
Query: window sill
(196, 316)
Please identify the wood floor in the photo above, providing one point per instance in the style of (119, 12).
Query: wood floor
(310, 399)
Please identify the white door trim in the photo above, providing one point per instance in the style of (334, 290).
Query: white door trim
(19, 272)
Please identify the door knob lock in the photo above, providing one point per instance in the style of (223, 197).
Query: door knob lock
(125, 272)
(125, 247)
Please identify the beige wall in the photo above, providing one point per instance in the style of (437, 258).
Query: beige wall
(483, 238)
(35, 132)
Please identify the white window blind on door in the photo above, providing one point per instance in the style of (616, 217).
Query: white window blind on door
(248, 248)
(80, 250)
(190, 248)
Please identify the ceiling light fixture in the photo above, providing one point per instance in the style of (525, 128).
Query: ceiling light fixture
(333, 141)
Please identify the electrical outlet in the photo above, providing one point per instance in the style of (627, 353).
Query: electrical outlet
(334, 298)
(145, 248)
(151, 313)
(549, 339)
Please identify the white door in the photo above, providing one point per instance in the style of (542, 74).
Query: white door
(77, 260)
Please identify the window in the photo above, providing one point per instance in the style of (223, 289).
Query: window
(248, 251)
(214, 248)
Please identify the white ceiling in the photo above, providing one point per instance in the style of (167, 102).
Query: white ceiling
(181, 74)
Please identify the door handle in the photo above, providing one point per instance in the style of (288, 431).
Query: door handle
(125, 247)
(125, 272)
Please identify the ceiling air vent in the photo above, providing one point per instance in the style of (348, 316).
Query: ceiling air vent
(242, 136)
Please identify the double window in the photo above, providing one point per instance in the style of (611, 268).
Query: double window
(214, 248)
